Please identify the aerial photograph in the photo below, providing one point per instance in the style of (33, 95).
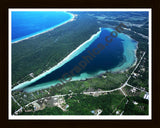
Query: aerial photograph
(79, 63)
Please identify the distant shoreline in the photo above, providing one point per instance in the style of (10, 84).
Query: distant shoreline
(47, 30)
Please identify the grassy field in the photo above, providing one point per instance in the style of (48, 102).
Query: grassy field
(43, 54)
(111, 81)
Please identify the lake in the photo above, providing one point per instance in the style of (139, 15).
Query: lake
(116, 56)
(26, 24)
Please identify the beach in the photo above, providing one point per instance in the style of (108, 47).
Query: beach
(124, 66)
(73, 54)
(48, 29)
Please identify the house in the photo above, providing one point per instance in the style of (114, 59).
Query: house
(146, 96)
(133, 90)
(31, 75)
(135, 103)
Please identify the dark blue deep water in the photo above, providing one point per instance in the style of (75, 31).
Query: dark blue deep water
(109, 57)
(28, 23)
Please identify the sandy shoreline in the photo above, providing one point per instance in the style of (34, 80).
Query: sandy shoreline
(70, 57)
(49, 29)
(61, 63)
(81, 77)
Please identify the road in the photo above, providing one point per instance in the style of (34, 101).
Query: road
(95, 92)
(125, 84)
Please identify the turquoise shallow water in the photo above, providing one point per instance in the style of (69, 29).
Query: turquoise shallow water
(129, 53)
(117, 56)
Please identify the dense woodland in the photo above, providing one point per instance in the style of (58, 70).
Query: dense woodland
(42, 52)
(46, 50)
(83, 105)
